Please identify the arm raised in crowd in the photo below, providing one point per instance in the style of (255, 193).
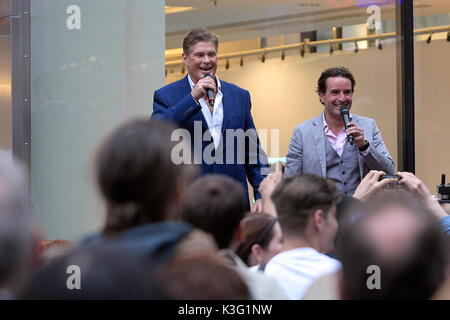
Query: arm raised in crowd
(370, 185)
(419, 189)
(267, 187)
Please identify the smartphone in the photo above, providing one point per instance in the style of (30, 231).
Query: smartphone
(394, 181)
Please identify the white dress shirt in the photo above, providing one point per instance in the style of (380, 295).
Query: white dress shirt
(214, 120)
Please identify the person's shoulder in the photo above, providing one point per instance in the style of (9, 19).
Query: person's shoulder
(280, 259)
(262, 286)
(362, 118)
(327, 260)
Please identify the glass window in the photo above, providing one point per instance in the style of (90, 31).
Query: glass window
(282, 83)
(432, 95)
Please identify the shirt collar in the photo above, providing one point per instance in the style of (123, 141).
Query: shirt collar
(325, 124)
(192, 84)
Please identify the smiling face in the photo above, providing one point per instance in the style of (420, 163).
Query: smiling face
(201, 60)
(338, 93)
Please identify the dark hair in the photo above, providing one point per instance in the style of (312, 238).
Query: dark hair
(215, 204)
(258, 229)
(136, 175)
(199, 35)
(103, 273)
(333, 73)
(202, 277)
(415, 272)
(297, 197)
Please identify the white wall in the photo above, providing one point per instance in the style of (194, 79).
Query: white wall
(84, 83)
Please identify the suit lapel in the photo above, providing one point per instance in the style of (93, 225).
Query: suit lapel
(319, 142)
(225, 99)
(185, 89)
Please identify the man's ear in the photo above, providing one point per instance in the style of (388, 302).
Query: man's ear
(256, 251)
(320, 97)
(318, 219)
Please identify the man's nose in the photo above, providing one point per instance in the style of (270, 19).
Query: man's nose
(341, 96)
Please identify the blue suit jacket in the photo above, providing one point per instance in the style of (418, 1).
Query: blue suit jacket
(241, 160)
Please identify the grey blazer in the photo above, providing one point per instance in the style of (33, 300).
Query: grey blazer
(307, 149)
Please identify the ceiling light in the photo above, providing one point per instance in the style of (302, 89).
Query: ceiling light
(172, 9)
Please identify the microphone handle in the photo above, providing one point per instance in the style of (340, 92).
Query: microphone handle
(346, 121)
(350, 139)
(210, 93)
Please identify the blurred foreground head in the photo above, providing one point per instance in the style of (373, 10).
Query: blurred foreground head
(215, 204)
(92, 273)
(137, 177)
(16, 232)
(203, 276)
(401, 242)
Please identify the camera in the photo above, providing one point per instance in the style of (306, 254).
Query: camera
(443, 191)
(394, 181)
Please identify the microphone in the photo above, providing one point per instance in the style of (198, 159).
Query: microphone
(210, 92)
(345, 114)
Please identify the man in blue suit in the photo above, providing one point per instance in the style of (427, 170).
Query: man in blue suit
(220, 123)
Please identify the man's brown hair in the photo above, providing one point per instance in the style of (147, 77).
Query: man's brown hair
(196, 36)
(298, 197)
(335, 72)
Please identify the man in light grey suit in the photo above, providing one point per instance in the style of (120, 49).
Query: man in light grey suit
(319, 145)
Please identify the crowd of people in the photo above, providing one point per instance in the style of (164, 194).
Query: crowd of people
(329, 227)
(169, 234)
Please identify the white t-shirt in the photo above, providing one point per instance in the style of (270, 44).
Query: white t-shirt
(296, 269)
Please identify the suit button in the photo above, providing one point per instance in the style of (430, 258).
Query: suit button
(343, 172)
(345, 192)
(345, 183)
(341, 162)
